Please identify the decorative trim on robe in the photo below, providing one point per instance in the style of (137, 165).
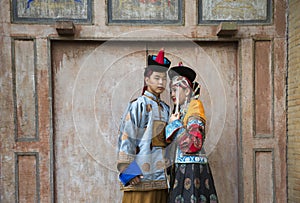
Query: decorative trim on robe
(171, 130)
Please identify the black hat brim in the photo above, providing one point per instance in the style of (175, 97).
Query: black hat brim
(157, 68)
(187, 72)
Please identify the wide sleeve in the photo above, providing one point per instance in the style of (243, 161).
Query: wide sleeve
(192, 139)
(128, 133)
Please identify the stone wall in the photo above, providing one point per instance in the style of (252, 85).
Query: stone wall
(293, 102)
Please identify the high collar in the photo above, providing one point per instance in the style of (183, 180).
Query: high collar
(151, 96)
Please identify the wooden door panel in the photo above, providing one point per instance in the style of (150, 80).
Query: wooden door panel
(25, 122)
(92, 84)
(262, 126)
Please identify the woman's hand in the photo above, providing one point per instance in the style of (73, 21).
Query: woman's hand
(174, 117)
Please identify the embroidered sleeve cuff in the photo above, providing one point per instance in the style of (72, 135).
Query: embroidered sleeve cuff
(172, 128)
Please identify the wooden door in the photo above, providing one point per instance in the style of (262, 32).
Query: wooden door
(25, 146)
(92, 84)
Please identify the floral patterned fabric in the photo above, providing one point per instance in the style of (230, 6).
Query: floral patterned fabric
(193, 183)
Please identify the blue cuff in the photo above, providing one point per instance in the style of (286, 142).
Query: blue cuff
(172, 128)
(129, 173)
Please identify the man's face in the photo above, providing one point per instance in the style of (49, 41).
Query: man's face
(156, 82)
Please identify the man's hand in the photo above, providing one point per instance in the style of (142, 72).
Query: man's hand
(135, 180)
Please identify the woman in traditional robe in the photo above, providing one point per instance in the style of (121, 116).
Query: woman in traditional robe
(191, 176)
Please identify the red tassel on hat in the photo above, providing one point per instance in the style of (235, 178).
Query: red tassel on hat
(160, 56)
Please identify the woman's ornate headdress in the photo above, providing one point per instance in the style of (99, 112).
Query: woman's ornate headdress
(183, 76)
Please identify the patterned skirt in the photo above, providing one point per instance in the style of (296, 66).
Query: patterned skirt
(193, 183)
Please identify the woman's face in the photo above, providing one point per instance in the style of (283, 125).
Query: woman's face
(182, 93)
(156, 83)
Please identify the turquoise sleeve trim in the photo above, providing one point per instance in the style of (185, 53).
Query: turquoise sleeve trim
(172, 128)
(195, 121)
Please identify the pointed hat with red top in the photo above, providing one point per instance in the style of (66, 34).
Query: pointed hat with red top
(155, 63)
(159, 62)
